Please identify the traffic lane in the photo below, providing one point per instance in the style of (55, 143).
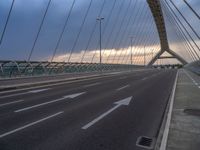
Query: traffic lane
(58, 92)
(107, 89)
(64, 83)
(121, 129)
(70, 127)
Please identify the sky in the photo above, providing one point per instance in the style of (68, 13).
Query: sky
(26, 17)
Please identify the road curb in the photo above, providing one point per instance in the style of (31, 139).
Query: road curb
(161, 143)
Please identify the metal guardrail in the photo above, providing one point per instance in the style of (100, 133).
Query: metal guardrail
(34, 68)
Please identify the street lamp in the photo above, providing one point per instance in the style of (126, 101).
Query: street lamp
(131, 49)
(100, 20)
(144, 56)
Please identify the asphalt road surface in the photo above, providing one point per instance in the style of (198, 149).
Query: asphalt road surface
(102, 113)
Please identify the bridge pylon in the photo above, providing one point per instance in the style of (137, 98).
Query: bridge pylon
(156, 10)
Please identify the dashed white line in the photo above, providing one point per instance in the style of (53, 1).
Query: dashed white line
(37, 91)
(49, 102)
(9, 103)
(93, 84)
(121, 88)
(24, 93)
(30, 124)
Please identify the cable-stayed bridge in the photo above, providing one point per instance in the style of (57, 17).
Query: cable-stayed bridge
(99, 75)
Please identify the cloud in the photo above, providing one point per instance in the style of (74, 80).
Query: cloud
(27, 14)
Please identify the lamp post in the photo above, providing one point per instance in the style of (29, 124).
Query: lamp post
(131, 49)
(100, 21)
(144, 56)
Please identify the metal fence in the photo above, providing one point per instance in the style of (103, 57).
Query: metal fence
(34, 68)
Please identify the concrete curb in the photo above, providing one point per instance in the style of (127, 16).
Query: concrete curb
(161, 143)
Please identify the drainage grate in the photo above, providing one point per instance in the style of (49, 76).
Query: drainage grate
(194, 112)
(145, 142)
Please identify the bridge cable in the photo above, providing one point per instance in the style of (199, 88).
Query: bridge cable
(80, 30)
(192, 9)
(115, 23)
(126, 29)
(63, 30)
(105, 26)
(182, 25)
(183, 34)
(140, 13)
(39, 30)
(185, 19)
(7, 20)
(93, 31)
(120, 27)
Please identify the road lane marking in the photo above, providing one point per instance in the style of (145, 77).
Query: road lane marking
(9, 103)
(123, 87)
(24, 93)
(123, 78)
(75, 80)
(49, 102)
(169, 116)
(195, 82)
(93, 84)
(124, 102)
(144, 78)
(38, 91)
(30, 124)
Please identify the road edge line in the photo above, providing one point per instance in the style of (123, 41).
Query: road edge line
(169, 116)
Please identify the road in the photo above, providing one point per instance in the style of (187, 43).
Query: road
(102, 113)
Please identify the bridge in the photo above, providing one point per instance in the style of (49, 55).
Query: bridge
(99, 75)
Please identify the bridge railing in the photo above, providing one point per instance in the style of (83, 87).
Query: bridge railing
(34, 68)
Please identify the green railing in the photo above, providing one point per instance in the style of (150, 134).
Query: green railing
(34, 68)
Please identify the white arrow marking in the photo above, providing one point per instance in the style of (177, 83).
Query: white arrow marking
(37, 91)
(53, 101)
(121, 88)
(124, 102)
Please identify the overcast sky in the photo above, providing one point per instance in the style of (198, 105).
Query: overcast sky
(26, 17)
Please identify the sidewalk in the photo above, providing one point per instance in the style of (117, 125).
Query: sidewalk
(184, 133)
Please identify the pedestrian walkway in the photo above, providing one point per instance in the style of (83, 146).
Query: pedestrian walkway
(184, 133)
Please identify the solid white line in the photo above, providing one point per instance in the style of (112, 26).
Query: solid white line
(38, 105)
(121, 88)
(30, 124)
(169, 115)
(13, 102)
(93, 84)
(24, 93)
(37, 91)
(99, 118)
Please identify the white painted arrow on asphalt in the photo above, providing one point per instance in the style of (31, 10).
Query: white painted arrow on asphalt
(124, 102)
(53, 101)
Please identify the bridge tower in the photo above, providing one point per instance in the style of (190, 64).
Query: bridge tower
(160, 24)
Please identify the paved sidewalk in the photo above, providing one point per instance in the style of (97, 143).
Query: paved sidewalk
(184, 133)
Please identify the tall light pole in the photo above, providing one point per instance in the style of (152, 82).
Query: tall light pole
(100, 21)
(131, 49)
(144, 56)
(152, 53)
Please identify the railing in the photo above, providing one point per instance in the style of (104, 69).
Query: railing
(34, 68)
